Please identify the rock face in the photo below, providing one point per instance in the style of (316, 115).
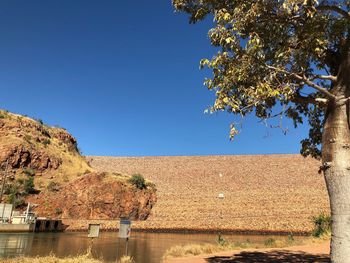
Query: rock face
(19, 156)
(97, 196)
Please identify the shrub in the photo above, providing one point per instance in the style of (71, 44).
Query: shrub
(40, 121)
(270, 242)
(27, 138)
(15, 194)
(7, 189)
(19, 189)
(73, 147)
(29, 171)
(322, 225)
(45, 132)
(58, 211)
(17, 201)
(53, 186)
(139, 181)
(13, 189)
(79, 150)
(2, 116)
(28, 186)
(20, 181)
(65, 178)
(222, 241)
(46, 142)
(290, 239)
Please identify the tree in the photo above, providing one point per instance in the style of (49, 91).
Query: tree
(288, 58)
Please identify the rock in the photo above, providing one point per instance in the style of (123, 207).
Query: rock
(19, 156)
(98, 196)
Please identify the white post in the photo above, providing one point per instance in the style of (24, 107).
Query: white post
(27, 212)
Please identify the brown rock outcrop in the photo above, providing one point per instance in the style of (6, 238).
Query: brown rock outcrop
(19, 156)
(97, 196)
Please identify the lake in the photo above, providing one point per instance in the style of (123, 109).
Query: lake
(143, 247)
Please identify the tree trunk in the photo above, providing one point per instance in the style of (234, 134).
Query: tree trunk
(336, 165)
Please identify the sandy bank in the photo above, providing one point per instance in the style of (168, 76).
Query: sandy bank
(307, 253)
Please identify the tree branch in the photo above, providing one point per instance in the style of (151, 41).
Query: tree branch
(334, 8)
(309, 100)
(305, 80)
(325, 77)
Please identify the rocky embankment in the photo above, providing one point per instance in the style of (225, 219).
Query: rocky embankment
(44, 167)
(262, 193)
(97, 196)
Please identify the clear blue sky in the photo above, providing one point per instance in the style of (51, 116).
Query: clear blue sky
(122, 77)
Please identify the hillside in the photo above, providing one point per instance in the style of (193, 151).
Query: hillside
(44, 167)
(33, 148)
(262, 193)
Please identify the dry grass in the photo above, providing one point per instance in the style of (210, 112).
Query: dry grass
(53, 259)
(23, 131)
(206, 249)
(279, 193)
(126, 259)
(193, 250)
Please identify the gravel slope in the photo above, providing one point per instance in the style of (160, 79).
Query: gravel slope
(262, 193)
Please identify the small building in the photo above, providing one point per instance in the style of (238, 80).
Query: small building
(5, 212)
(15, 221)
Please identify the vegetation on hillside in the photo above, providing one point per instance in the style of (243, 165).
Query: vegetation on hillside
(36, 155)
(54, 149)
(18, 189)
(138, 180)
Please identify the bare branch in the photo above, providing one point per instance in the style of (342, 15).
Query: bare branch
(334, 8)
(314, 85)
(321, 100)
(309, 100)
(304, 80)
(325, 77)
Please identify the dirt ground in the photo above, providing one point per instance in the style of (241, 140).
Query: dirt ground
(315, 253)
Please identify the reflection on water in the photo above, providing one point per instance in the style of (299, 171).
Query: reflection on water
(15, 245)
(143, 247)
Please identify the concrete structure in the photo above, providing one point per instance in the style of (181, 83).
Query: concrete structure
(17, 227)
(48, 225)
(5, 212)
(14, 221)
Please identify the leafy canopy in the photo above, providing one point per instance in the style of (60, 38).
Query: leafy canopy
(277, 57)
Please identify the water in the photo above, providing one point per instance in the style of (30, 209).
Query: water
(143, 247)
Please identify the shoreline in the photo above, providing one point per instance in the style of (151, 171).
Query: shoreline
(303, 253)
(202, 231)
(71, 225)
